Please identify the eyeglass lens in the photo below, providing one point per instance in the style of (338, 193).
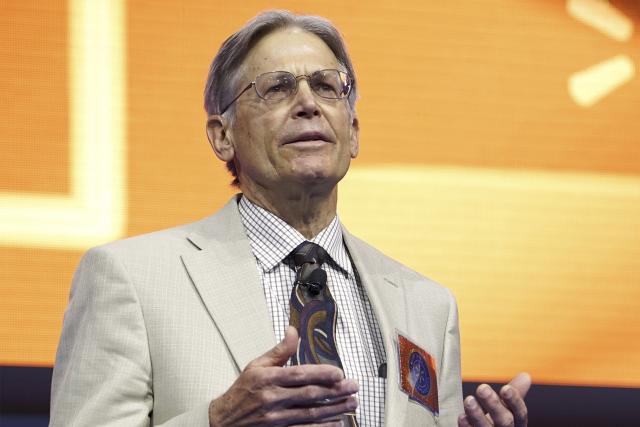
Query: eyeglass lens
(277, 85)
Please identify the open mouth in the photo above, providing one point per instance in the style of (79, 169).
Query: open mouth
(308, 137)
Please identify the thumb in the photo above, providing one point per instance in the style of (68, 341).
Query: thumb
(279, 354)
(521, 382)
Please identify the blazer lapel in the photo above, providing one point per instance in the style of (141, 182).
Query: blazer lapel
(388, 303)
(225, 275)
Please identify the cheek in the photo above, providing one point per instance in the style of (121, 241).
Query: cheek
(339, 120)
(249, 134)
(259, 143)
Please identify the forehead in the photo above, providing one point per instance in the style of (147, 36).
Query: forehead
(290, 49)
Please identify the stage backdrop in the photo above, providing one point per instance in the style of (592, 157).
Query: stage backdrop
(500, 156)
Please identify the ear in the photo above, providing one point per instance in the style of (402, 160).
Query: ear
(219, 138)
(354, 143)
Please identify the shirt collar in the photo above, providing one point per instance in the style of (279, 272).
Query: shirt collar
(272, 239)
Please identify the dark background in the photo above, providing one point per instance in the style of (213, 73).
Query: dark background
(25, 392)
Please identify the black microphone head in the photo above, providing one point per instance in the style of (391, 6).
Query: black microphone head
(313, 279)
(313, 289)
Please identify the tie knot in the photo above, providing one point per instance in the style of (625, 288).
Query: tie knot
(309, 252)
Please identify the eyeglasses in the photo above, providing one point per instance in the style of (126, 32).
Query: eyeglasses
(280, 85)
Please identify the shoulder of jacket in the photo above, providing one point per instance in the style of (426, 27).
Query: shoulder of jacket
(391, 266)
(172, 239)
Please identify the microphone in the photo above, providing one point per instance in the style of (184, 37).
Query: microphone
(312, 278)
(382, 370)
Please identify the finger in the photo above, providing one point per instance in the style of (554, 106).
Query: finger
(522, 383)
(321, 424)
(306, 374)
(514, 402)
(312, 414)
(463, 421)
(331, 421)
(489, 400)
(279, 354)
(313, 395)
(474, 413)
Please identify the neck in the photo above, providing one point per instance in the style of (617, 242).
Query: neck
(307, 211)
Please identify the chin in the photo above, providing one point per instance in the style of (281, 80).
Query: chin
(315, 178)
(315, 171)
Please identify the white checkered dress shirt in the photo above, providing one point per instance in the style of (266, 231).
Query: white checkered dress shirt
(358, 336)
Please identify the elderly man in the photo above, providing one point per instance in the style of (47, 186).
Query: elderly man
(269, 312)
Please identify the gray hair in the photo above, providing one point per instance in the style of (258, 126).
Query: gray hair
(222, 81)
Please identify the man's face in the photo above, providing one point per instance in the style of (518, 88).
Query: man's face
(300, 141)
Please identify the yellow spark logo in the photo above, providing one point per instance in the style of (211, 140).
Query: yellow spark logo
(587, 87)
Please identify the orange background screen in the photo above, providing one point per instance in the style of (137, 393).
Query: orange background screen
(481, 166)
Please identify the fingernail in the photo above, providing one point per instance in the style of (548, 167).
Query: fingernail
(508, 392)
(484, 390)
(352, 386)
(352, 404)
(471, 403)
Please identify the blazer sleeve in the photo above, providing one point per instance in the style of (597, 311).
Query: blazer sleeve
(102, 374)
(450, 386)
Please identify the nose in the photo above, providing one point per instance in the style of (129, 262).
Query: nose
(306, 105)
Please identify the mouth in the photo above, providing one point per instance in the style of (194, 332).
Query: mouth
(305, 137)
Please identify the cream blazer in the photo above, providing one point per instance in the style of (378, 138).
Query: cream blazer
(159, 325)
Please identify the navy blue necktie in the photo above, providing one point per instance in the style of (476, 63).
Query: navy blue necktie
(314, 312)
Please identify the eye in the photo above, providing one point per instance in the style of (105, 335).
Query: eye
(325, 88)
(275, 88)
